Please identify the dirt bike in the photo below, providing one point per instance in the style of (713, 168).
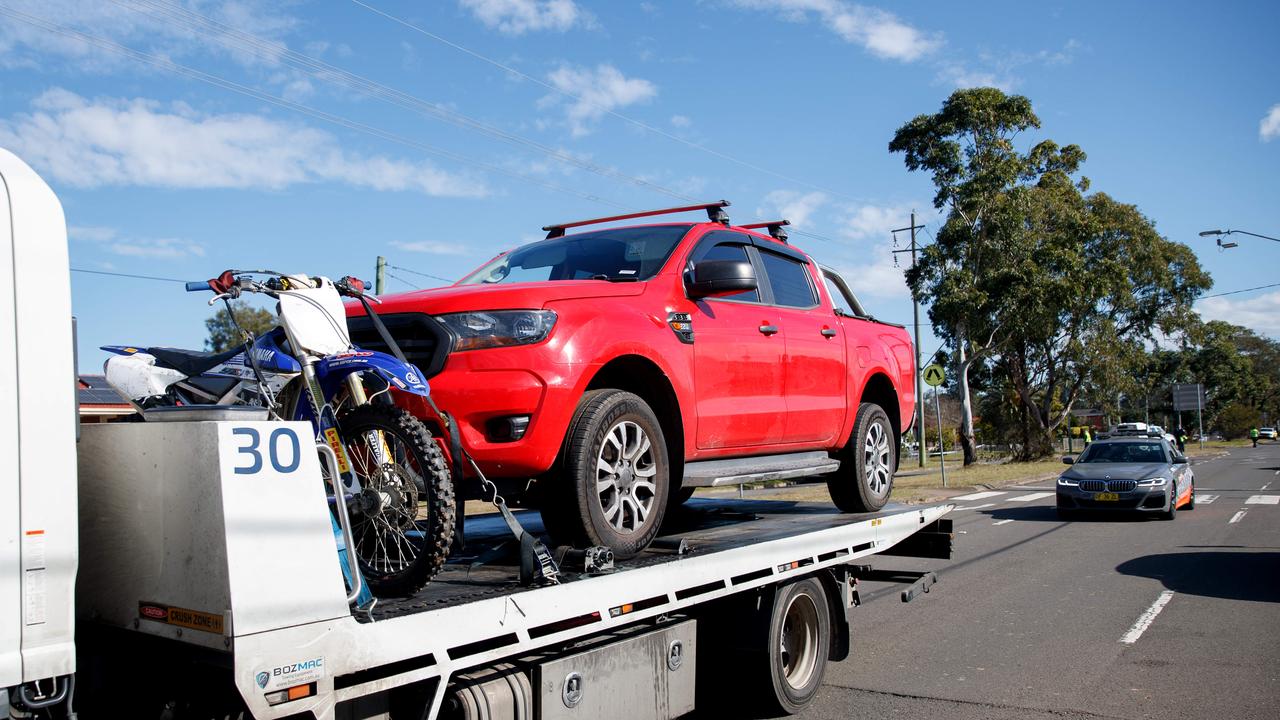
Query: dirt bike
(396, 484)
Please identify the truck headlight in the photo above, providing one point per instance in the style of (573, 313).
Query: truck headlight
(1153, 482)
(499, 328)
(1068, 482)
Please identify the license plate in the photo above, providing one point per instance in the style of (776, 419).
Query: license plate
(1112, 497)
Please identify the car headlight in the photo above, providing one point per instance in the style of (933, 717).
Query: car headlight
(1153, 482)
(1069, 482)
(499, 328)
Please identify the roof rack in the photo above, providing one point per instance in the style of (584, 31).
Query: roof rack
(715, 212)
(777, 229)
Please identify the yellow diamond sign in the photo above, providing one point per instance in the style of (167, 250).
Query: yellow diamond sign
(934, 375)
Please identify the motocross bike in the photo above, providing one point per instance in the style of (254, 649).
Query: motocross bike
(397, 485)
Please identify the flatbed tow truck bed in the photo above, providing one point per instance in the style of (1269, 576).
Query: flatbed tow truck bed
(224, 591)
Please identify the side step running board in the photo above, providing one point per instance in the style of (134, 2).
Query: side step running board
(736, 471)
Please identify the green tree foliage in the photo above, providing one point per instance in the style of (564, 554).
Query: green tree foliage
(1059, 289)
(223, 334)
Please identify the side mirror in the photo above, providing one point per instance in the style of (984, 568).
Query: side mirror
(1068, 460)
(1180, 460)
(713, 278)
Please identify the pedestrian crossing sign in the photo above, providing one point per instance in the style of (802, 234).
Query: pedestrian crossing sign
(934, 375)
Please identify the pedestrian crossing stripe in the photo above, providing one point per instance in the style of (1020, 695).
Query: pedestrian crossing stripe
(1263, 500)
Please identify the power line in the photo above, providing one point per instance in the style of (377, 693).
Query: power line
(1237, 292)
(127, 275)
(216, 81)
(626, 118)
(425, 275)
(327, 72)
(406, 282)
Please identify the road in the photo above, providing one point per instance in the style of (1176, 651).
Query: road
(1092, 618)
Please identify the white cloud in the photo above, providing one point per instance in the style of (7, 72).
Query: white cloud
(24, 45)
(681, 121)
(798, 207)
(109, 239)
(961, 76)
(517, 17)
(877, 278)
(1000, 70)
(875, 221)
(1269, 128)
(91, 143)
(1260, 313)
(595, 92)
(431, 247)
(881, 33)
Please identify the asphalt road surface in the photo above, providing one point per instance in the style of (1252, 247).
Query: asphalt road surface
(1093, 618)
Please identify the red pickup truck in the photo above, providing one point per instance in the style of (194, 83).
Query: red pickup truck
(604, 375)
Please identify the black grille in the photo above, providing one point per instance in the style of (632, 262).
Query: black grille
(1105, 485)
(425, 342)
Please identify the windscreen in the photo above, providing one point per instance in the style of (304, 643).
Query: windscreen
(1128, 452)
(624, 254)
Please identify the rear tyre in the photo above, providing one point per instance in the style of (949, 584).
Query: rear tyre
(615, 462)
(865, 477)
(797, 637)
(399, 549)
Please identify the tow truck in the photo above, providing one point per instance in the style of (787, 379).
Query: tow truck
(196, 563)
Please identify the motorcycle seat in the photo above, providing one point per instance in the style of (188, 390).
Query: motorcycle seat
(191, 362)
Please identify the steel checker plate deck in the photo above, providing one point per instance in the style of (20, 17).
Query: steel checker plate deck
(490, 629)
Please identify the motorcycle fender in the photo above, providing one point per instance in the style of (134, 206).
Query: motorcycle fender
(332, 370)
(137, 376)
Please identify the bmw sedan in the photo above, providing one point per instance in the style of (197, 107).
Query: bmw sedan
(1136, 474)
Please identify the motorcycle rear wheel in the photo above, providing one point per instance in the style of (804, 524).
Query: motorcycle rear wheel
(403, 521)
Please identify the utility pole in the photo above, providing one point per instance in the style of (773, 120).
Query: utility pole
(380, 276)
(915, 312)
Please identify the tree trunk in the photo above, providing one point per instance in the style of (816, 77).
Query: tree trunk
(966, 405)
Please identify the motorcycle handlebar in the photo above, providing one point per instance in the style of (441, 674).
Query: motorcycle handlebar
(198, 286)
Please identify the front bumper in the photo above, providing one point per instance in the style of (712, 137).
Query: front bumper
(1141, 499)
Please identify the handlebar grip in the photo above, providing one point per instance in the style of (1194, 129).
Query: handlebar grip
(198, 286)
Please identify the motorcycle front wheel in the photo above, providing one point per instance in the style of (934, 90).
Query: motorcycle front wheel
(403, 518)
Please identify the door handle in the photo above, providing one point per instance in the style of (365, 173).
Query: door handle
(828, 332)
(769, 329)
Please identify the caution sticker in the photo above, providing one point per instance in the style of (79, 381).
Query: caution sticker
(182, 617)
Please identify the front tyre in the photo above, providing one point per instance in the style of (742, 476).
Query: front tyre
(615, 460)
(865, 477)
(404, 516)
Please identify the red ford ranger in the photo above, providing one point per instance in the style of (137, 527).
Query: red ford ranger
(602, 376)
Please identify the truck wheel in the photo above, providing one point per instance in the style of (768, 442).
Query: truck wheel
(865, 477)
(615, 460)
(798, 643)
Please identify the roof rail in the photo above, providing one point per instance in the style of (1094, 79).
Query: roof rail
(715, 212)
(777, 229)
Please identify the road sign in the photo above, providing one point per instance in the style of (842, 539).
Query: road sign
(1189, 396)
(934, 375)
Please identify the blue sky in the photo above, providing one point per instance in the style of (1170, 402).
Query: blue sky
(389, 128)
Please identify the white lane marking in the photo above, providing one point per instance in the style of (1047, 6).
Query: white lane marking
(1032, 487)
(1146, 618)
(1236, 518)
(1264, 487)
(1001, 522)
(979, 495)
(1030, 497)
(1205, 499)
(977, 507)
(1276, 472)
(1263, 500)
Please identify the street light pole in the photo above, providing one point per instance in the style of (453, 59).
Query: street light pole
(1225, 245)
